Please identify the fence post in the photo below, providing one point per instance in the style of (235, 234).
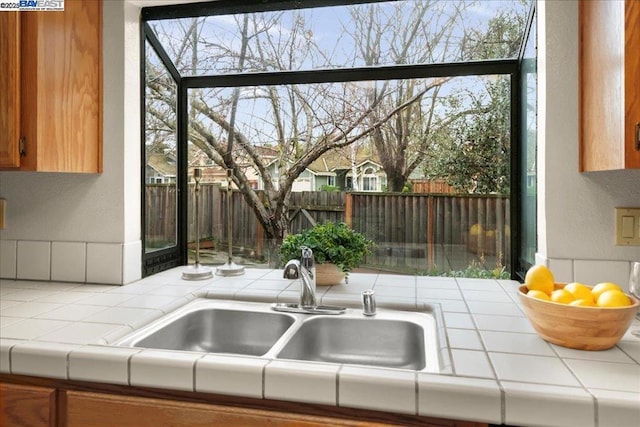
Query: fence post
(482, 220)
(430, 231)
(499, 227)
(348, 210)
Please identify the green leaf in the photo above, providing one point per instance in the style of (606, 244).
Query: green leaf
(330, 242)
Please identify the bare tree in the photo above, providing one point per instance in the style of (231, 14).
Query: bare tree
(408, 33)
(301, 122)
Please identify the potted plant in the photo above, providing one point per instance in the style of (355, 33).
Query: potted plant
(336, 247)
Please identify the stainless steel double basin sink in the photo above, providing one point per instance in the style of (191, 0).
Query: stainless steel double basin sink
(392, 338)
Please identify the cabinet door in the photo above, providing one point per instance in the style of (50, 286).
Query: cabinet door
(27, 406)
(84, 409)
(9, 89)
(96, 409)
(609, 84)
(632, 83)
(61, 78)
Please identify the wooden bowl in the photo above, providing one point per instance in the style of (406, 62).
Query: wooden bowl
(583, 328)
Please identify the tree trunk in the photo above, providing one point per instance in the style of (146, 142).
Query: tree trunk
(272, 214)
(395, 181)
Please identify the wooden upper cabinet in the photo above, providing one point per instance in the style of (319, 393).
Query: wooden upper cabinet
(609, 85)
(9, 89)
(59, 101)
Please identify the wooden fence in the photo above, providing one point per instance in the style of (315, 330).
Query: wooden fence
(409, 229)
(432, 186)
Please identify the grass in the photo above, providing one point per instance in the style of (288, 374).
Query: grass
(475, 270)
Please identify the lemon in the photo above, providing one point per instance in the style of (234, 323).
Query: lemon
(579, 291)
(561, 296)
(613, 298)
(539, 278)
(538, 295)
(587, 302)
(603, 287)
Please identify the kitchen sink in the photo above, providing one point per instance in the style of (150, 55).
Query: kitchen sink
(391, 339)
(376, 342)
(222, 328)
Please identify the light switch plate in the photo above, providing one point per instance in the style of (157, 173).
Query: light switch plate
(628, 226)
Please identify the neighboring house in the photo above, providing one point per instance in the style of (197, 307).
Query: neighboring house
(161, 168)
(212, 173)
(369, 177)
(334, 169)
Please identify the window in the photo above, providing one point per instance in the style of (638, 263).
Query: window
(529, 183)
(160, 196)
(369, 183)
(271, 93)
(369, 180)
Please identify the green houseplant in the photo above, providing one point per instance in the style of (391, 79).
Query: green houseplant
(330, 242)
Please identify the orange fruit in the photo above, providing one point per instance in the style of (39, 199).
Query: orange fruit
(579, 291)
(603, 287)
(613, 298)
(538, 295)
(539, 278)
(583, 302)
(561, 296)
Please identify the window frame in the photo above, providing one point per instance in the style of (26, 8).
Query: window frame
(510, 67)
(520, 264)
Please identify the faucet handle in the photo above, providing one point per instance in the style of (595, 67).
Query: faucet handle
(307, 259)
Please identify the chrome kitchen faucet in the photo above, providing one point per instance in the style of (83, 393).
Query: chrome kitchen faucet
(305, 270)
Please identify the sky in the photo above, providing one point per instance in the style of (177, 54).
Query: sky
(323, 27)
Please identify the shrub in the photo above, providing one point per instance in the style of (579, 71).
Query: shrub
(330, 242)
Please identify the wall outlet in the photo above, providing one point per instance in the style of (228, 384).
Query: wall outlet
(628, 226)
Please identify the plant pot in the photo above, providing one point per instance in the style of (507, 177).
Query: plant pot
(328, 274)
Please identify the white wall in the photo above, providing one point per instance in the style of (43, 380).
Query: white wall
(101, 212)
(576, 221)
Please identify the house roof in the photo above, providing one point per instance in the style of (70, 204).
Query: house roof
(162, 163)
(198, 158)
(340, 159)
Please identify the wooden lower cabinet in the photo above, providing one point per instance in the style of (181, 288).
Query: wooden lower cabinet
(30, 401)
(97, 409)
(27, 406)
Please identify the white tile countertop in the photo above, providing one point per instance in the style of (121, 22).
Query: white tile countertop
(503, 372)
